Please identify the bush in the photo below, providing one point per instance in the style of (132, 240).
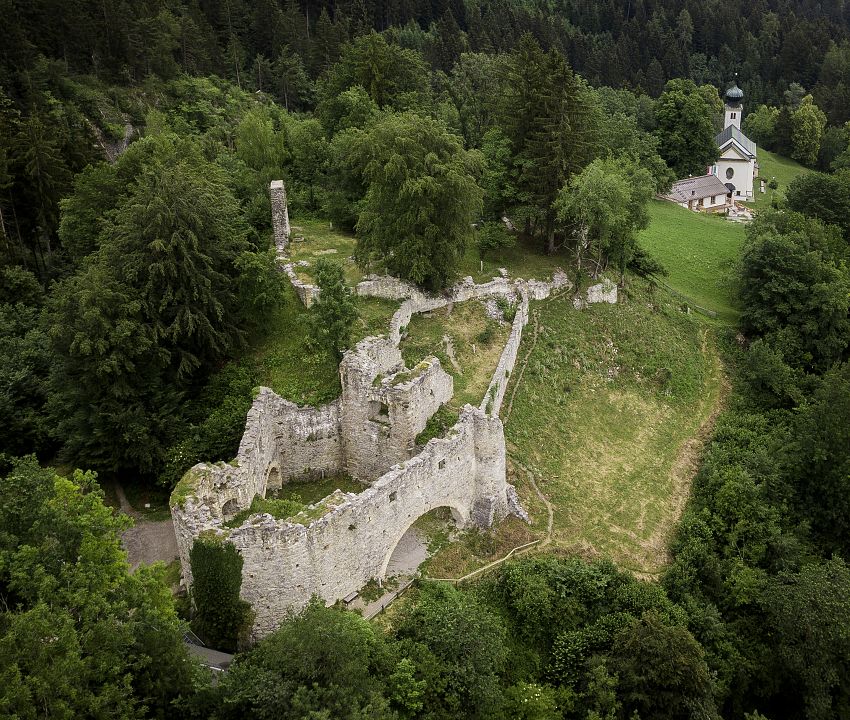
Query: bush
(220, 616)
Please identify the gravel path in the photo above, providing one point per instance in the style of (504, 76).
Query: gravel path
(147, 541)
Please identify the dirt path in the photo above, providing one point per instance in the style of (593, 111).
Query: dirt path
(147, 541)
(450, 353)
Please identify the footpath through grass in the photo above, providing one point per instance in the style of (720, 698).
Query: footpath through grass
(609, 418)
(699, 251)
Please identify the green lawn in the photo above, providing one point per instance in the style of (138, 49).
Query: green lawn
(782, 168)
(699, 251)
(607, 418)
(320, 240)
(524, 259)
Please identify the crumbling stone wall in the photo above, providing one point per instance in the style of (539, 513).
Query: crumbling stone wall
(386, 405)
(286, 562)
(336, 546)
(280, 215)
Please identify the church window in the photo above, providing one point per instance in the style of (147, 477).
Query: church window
(729, 173)
(733, 116)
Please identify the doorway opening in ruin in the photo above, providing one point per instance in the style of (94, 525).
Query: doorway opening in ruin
(229, 509)
(273, 481)
(426, 535)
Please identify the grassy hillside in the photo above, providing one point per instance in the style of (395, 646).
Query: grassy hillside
(782, 168)
(698, 250)
(607, 418)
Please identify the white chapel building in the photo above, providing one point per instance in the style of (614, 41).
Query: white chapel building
(736, 167)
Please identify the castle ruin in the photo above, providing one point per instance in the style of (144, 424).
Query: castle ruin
(334, 547)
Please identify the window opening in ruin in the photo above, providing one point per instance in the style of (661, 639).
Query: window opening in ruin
(392, 496)
(441, 464)
(379, 412)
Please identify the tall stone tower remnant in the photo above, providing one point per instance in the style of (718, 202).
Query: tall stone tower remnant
(280, 215)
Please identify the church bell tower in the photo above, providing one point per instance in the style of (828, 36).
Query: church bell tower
(734, 107)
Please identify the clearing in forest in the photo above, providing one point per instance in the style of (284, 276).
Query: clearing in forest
(315, 239)
(609, 419)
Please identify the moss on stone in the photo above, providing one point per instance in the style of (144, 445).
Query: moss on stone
(185, 488)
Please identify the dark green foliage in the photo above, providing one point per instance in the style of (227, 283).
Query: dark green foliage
(79, 635)
(551, 119)
(421, 198)
(466, 645)
(826, 197)
(795, 290)
(155, 305)
(823, 460)
(685, 130)
(391, 75)
(219, 615)
(333, 314)
(491, 237)
(323, 663)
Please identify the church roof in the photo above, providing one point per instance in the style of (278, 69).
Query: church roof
(733, 133)
(734, 92)
(696, 188)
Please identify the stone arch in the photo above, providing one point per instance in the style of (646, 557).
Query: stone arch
(273, 479)
(460, 517)
(229, 509)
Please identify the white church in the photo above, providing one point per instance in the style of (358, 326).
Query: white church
(731, 178)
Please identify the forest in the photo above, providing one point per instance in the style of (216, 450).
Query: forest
(138, 279)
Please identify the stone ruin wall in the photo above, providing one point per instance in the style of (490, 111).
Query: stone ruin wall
(285, 564)
(385, 405)
(368, 433)
(280, 215)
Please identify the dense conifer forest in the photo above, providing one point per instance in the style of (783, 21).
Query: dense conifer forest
(139, 300)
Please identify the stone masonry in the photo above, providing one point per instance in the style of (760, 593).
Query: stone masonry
(334, 547)
(280, 215)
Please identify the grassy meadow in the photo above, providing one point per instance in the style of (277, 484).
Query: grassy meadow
(321, 240)
(476, 342)
(607, 419)
(699, 251)
(296, 370)
(782, 168)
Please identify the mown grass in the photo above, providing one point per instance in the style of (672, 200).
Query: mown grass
(699, 251)
(297, 370)
(776, 166)
(477, 340)
(323, 241)
(605, 419)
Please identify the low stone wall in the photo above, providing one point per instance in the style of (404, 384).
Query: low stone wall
(492, 401)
